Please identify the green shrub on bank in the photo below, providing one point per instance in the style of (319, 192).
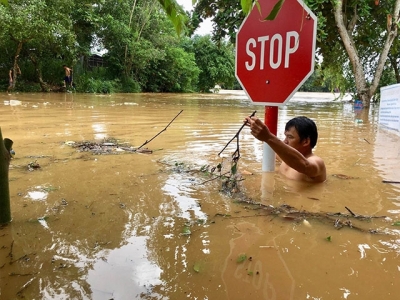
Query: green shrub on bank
(129, 85)
(88, 84)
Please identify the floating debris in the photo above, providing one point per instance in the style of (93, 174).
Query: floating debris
(110, 146)
(33, 165)
(343, 176)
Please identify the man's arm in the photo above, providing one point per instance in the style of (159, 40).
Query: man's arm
(312, 166)
(10, 75)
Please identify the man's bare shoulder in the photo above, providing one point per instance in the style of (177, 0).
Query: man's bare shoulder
(317, 164)
(320, 165)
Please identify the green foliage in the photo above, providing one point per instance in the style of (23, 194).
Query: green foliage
(247, 5)
(143, 50)
(227, 16)
(275, 10)
(88, 84)
(316, 83)
(234, 169)
(176, 72)
(146, 49)
(175, 14)
(129, 85)
(215, 61)
(368, 34)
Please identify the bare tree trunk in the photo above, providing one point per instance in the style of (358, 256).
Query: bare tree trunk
(365, 91)
(5, 157)
(16, 69)
(43, 85)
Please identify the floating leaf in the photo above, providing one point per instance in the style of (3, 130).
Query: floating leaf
(196, 267)
(186, 231)
(241, 258)
(396, 223)
(250, 273)
(50, 189)
(329, 239)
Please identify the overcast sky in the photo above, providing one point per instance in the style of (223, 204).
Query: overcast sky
(205, 27)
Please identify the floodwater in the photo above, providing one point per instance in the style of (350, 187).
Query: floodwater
(150, 226)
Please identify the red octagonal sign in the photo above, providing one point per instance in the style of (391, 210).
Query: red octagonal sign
(274, 58)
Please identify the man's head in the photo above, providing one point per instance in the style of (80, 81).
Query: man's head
(64, 66)
(305, 128)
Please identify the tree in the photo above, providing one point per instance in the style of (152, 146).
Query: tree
(144, 50)
(37, 26)
(364, 32)
(227, 16)
(215, 61)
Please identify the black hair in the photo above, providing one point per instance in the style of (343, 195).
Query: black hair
(305, 127)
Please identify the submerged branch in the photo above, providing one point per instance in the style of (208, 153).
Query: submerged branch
(10, 254)
(146, 142)
(390, 181)
(219, 176)
(291, 213)
(19, 293)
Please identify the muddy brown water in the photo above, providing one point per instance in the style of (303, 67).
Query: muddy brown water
(138, 226)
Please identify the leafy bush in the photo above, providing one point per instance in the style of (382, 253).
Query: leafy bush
(87, 84)
(129, 85)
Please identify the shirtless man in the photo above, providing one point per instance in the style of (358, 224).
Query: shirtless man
(298, 160)
(67, 78)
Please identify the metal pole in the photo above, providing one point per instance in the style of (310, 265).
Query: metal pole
(271, 120)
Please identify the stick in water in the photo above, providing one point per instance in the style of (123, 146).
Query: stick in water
(237, 133)
(390, 181)
(146, 142)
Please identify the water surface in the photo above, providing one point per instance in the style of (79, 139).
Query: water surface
(146, 226)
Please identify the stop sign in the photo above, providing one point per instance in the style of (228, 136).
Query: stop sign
(274, 58)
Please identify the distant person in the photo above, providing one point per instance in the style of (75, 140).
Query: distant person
(68, 76)
(298, 160)
(12, 78)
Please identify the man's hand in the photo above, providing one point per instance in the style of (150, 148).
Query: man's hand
(258, 129)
